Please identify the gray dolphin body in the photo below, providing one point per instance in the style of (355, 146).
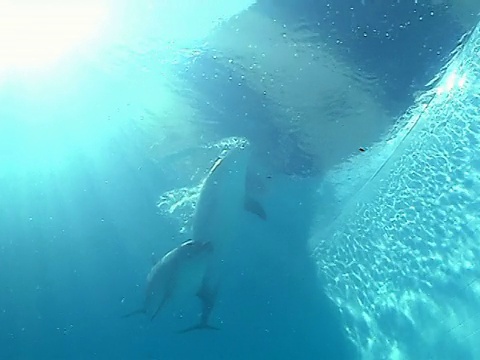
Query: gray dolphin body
(179, 273)
(222, 198)
(195, 267)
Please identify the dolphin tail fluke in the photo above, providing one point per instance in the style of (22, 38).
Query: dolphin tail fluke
(198, 327)
(255, 207)
(135, 312)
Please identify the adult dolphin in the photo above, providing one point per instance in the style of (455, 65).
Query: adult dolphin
(223, 197)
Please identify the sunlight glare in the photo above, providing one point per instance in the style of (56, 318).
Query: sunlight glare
(35, 35)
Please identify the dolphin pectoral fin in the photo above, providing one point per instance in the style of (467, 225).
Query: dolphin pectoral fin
(135, 312)
(253, 206)
(156, 312)
(164, 300)
(198, 327)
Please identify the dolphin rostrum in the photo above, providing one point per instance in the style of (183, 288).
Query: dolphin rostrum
(179, 272)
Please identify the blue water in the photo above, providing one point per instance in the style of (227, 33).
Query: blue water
(80, 226)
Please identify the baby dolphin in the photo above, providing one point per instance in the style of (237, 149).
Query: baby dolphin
(179, 273)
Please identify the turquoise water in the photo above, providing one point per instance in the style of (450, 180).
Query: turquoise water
(368, 178)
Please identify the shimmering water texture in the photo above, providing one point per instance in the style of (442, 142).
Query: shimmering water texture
(401, 260)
